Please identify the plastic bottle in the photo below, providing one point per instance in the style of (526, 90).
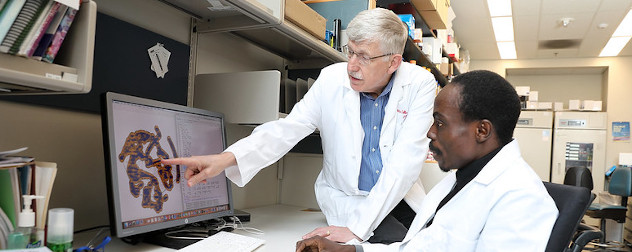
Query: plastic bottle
(60, 229)
(26, 235)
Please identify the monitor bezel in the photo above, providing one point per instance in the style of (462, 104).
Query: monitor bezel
(114, 204)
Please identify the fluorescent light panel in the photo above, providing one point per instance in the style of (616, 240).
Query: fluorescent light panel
(503, 28)
(507, 50)
(625, 27)
(499, 8)
(620, 37)
(614, 46)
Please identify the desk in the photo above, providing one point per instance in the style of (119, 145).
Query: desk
(283, 226)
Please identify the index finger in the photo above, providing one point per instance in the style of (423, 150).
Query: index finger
(178, 161)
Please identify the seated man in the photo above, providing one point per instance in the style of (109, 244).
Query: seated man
(494, 201)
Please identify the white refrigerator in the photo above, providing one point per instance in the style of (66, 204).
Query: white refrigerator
(534, 133)
(579, 139)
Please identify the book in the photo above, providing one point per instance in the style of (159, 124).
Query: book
(60, 34)
(42, 45)
(39, 27)
(22, 24)
(30, 26)
(45, 173)
(7, 16)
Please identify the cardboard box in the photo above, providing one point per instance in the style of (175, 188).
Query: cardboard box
(303, 16)
(533, 95)
(444, 68)
(424, 5)
(436, 18)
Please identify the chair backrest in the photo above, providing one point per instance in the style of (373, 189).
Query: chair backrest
(621, 182)
(572, 202)
(579, 176)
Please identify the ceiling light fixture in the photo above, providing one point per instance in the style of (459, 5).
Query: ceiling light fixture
(499, 8)
(620, 37)
(566, 21)
(502, 23)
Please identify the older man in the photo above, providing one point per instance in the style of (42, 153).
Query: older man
(373, 113)
(494, 201)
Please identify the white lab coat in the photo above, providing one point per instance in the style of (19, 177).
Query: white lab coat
(334, 108)
(504, 208)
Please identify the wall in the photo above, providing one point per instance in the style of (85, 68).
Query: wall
(617, 88)
(561, 88)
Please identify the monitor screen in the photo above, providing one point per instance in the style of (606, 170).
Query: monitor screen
(145, 195)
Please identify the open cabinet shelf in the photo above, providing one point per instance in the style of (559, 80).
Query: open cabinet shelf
(19, 75)
(263, 23)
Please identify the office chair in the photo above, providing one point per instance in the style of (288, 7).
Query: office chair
(579, 176)
(620, 184)
(572, 202)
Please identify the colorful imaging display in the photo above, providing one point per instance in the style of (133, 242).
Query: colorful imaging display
(150, 192)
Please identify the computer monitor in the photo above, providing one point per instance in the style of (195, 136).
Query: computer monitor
(145, 195)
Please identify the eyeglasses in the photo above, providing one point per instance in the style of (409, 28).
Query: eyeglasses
(362, 59)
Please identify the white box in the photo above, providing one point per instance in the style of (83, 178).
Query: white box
(532, 105)
(523, 90)
(432, 48)
(558, 106)
(544, 105)
(452, 49)
(533, 96)
(574, 105)
(591, 105)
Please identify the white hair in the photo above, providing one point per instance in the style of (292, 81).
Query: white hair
(381, 26)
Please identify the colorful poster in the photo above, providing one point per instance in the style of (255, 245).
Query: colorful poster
(621, 131)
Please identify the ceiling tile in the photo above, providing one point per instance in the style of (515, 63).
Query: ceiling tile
(627, 50)
(477, 7)
(596, 38)
(525, 8)
(527, 49)
(525, 28)
(551, 28)
(474, 29)
(569, 6)
(611, 5)
(483, 50)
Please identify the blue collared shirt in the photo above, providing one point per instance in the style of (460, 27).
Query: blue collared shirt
(371, 117)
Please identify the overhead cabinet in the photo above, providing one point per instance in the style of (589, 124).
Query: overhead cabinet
(72, 68)
(266, 23)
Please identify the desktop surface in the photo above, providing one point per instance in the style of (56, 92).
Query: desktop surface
(282, 225)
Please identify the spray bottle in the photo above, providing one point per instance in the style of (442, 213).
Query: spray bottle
(26, 235)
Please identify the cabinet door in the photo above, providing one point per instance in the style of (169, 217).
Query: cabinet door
(535, 147)
(579, 148)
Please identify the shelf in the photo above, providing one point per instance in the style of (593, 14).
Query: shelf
(413, 52)
(72, 70)
(263, 23)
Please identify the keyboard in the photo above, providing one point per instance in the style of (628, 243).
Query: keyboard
(225, 241)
